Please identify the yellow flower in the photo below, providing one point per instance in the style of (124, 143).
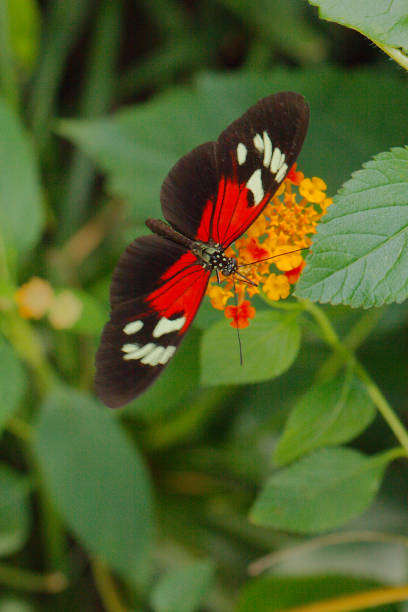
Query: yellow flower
(34, 298)
(312, 189)
(287, 260)
(218, 296)
(326, 203)
(276, 287)
(258, 227)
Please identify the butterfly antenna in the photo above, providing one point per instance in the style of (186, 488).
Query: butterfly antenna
(246, 280)
(241, 361)
(271, 257)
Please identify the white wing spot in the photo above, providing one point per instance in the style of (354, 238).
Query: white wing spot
(169, 352)
(153, 358)
(133, 327)
(259, 143)
(267, 150)
(166, 326)
(241, 153)
(282, 173)
(129, 348)
(149, 354)
(277, 160)
(135, 351)
(254, 184)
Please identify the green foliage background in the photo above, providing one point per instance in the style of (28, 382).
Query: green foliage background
(221, 489)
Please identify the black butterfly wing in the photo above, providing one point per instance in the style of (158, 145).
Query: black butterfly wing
(217, 191)
(156, 290)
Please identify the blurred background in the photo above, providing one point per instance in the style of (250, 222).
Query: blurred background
(146, 508)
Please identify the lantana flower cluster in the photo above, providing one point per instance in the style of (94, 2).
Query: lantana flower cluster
(278, 236)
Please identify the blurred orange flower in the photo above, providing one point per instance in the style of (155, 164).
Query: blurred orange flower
(34, 298)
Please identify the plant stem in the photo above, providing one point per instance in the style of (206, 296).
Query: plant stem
(332, 539)
(4, 271)
(16, 578)
(28, 346)
(356, 601)
(20, 428)
(352, 341)
(184, 426)
(374, 392)
(106, 587)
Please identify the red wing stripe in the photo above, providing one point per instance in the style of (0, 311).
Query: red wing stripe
(241, 229)
(183, 292)
(217, 211)
(221, 240)
(170, 283)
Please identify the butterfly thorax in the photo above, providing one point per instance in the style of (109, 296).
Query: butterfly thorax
(212, 257)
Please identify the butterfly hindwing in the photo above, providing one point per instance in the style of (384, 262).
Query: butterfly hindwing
(156, 290)
(217, 191)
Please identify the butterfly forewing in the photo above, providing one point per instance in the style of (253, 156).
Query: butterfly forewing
(156, 290)
(236, 176)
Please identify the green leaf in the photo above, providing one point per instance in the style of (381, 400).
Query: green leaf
(171, 390)
(13, 382)
(97, 480)
(380, 20)
(92, 317)
(182, 589)
(321, 491)
(275, 593)
(14, 512)
(21, 211)
(329, 413)
(269, 345)
(360, 255)
(13, 604)
(137, 146)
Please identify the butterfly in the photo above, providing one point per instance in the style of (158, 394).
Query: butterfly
(209, 198)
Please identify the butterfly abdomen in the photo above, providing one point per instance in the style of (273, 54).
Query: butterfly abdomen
(159, 227)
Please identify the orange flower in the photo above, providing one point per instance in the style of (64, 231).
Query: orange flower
(34, 298)
(294, 274)
(240, 314)
(294, 176)
(255, 250)
(278, 235)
